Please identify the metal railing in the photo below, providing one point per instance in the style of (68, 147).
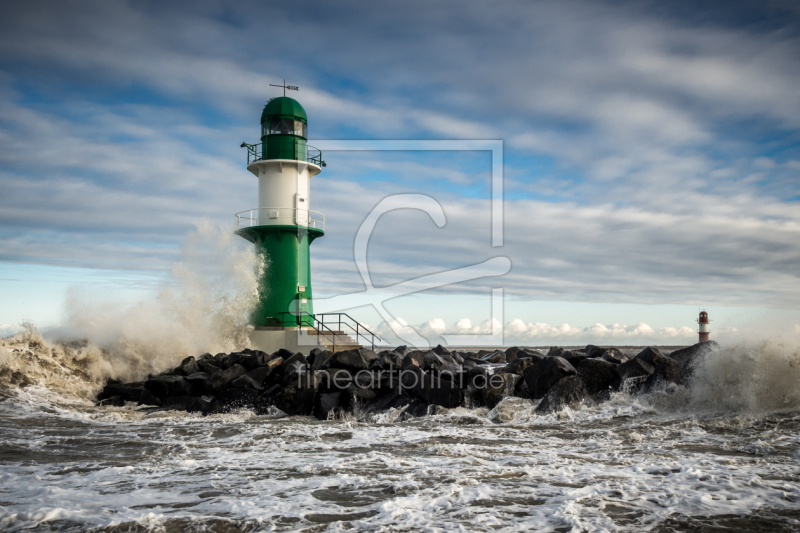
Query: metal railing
(266, 216)
(313, 155)
(298, 319)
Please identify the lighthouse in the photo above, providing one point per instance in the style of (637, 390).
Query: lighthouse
(703, 322)
(282, 228)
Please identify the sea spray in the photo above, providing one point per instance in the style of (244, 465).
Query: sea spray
(202, 307)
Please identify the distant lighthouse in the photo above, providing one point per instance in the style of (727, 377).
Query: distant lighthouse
(703, 322)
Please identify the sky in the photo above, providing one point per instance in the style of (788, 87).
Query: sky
(650, 155)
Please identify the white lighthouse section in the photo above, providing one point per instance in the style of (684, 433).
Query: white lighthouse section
(284, 193)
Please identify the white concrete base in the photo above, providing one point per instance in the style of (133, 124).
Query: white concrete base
(301, 340)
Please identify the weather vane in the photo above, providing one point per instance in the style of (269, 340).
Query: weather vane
(290, 87)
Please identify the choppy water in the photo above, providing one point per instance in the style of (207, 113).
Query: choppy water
(723, 455)
(66, 465)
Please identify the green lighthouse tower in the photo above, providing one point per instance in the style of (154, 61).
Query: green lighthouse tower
(283, 226)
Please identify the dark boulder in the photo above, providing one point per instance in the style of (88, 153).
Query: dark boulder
(567, 391)
(498, 387)
(634, 369)
(321, 360)
(179, 403)
(441, 350)
(614, 356)
(235, 358)
(440, 363)
(650, 355)
(666, 371)
(415, 358)
(332, 403)
(296, 398)
(598, 375)
(574, 357)
(260, 374)
(432, 389)
(197, 382)
(130, 392)
(543, 375)
(220, 380)
(555, 351)
(495, 358)
(693, 352)
(593, 351)
(147, 398)
(245, 382)
(356, 359)
(166, 386)
(188, 366)
(518, 365)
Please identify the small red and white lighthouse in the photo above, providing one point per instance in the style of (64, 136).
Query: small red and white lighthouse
(703, 322)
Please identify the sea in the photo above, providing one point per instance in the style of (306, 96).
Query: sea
(721, 455)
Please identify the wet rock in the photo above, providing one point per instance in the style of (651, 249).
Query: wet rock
(650, 355)
(116, 401)
(294, 366)
(245, 382)
(130, 392)
(236, 358)
(197, 382)
(495, 358)
(574, 357)
(255, 359)
(356, 359)
(179, 403)
(401, 350)
(614, 356)
(205, 404)
(498, 387)
(693, 352)
(431, 389)
(666, 371)
(542, 376)
(441, 350)
(147, 398)
(321, 360)
(598, 375)
(262, 373)
(208, 366)
(635, 368)
(555, 351)
(220, 380)
(518, 365)
(511, 353)
(415, 358)
(567, 391)
(188, 366)
(297, 398)
(593, 351)
(166, 386)
(331, 404)
(395, 398)
(440, 363)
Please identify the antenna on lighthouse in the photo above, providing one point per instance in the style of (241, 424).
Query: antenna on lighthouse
(284, 86)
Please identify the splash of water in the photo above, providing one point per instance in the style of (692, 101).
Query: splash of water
(202, 307)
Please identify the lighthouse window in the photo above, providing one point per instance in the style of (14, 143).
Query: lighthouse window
(275, 126)
(263, 128)
(299, 128)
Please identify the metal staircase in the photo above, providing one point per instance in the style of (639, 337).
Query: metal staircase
(347, 335)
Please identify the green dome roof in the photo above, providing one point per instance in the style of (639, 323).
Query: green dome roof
(284, 106)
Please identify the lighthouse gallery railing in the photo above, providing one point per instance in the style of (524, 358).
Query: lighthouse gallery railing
(267, 216)
(313, 155)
